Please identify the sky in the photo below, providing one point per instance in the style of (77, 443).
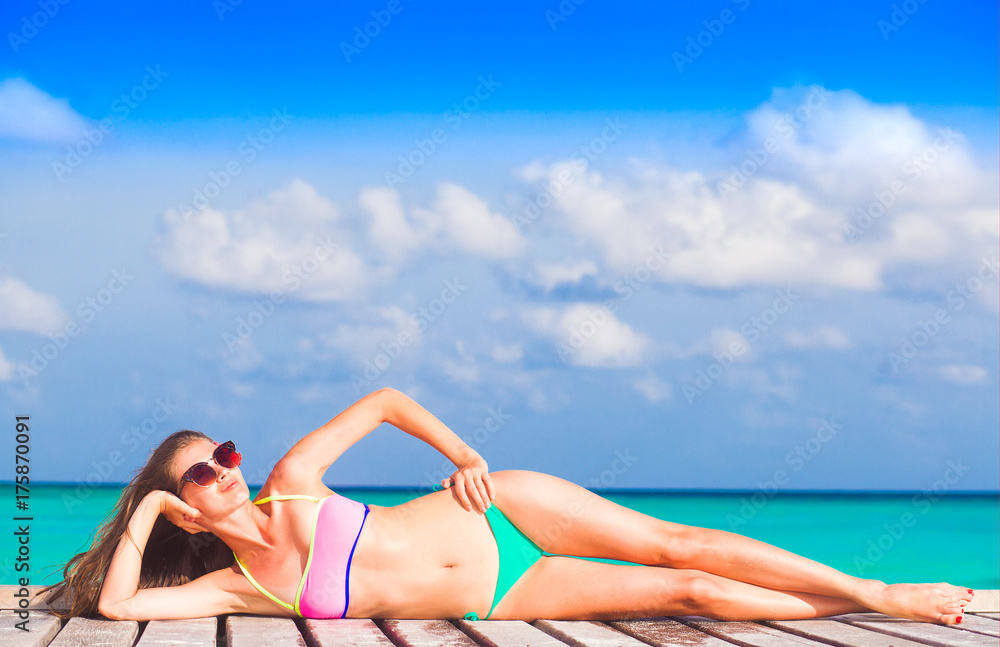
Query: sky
(724, 245)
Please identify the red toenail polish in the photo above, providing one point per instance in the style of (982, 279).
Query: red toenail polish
(958, 620)
(970, 591)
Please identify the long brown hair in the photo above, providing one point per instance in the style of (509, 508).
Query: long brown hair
(172, 556)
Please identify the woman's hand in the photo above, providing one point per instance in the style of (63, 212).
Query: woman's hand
(181, 514)
(473, 481)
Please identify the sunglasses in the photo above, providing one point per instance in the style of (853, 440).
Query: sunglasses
(203, 474)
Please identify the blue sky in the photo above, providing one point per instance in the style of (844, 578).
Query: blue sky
(656, 246)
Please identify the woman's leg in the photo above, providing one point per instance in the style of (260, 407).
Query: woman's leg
(564, 588)
(562, 517)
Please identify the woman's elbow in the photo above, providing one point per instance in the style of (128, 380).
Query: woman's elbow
(111, 611)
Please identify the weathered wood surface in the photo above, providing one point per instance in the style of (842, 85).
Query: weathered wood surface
(841, 634)
(261, 631)
(239, 630)
(753, 634)
(922, 632)
(988, 601)
(43, 628)
(664, 631)
(198, 632)
(106, 633)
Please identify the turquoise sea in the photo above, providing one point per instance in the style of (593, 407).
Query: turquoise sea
(915, 537)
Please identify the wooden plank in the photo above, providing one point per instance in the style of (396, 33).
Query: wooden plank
(984, 600)
(752, 634)
(840, 634)
(425, 633)
(262, 631)
(10, 600)
(583, 633)
(357, 632)
(980, 625)
(42, 628)
(93, 633)
(938, 635)
(507, 633)
(995, 616)
(663, 631)
(199, 632)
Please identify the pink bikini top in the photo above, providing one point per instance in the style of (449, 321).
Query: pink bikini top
(324, 590)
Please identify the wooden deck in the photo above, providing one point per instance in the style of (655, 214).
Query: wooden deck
(981, 626)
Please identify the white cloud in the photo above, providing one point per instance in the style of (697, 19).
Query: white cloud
(822, 337)
(786, 223)
(587, 335)
(29, 113)
(389, 230)
(287, 241)
(653, 388)
(507, 354)
(963, 374)
(550, 275)
(374, 331)
(457, 220)
(461, 372)
(466, 223)
(21, 308)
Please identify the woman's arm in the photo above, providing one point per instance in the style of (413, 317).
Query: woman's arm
(120, 597)
(314, 454)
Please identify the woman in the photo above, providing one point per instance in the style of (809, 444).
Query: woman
(301, 549)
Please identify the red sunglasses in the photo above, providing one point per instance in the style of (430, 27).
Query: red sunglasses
(203, 474)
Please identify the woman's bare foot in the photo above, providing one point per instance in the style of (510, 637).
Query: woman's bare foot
(939, 603)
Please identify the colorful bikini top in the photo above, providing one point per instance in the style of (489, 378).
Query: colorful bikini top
(324, 590)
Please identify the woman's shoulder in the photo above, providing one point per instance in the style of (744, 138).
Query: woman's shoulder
(284, 482)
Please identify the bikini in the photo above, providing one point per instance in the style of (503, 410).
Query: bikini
(336, 527)
(324, 590)
(517, 554)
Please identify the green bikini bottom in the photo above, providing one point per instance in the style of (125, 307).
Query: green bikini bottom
(517, 554)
